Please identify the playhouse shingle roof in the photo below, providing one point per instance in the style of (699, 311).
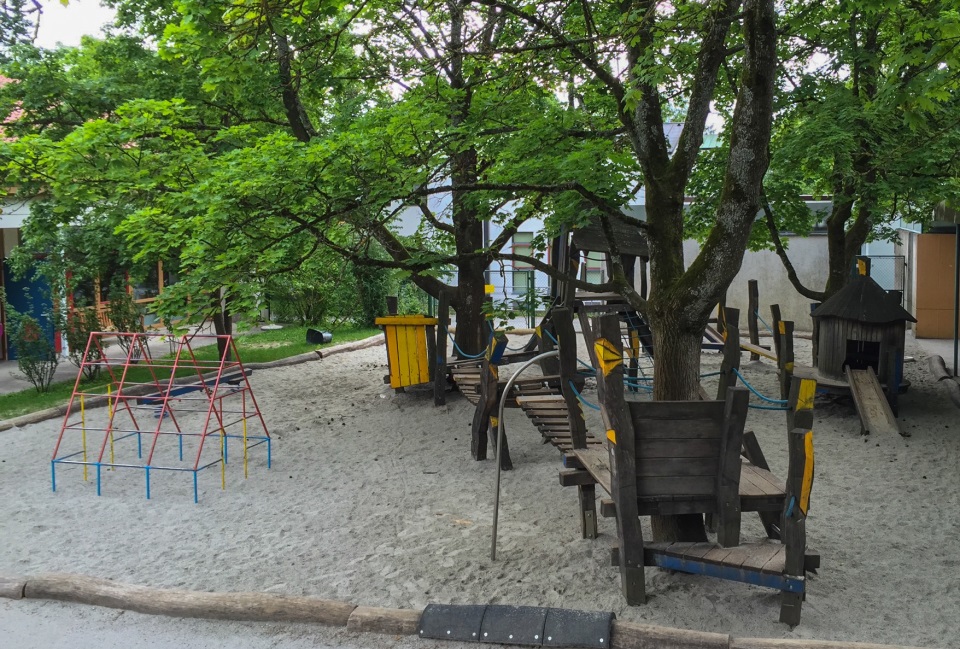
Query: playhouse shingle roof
(863, 300)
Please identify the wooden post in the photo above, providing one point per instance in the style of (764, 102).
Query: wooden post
(392, 305)
(799, 484)
(567, 337)
(785, 357)
(616, 416)
(815, 335)
(440, 367)
(731, 353)
(775, 325)
(754, 454)
(728, 477)
(721, 325)
(484, 417)
(546, 332)
(753, 305)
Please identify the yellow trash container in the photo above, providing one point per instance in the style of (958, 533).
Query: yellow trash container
(408, 339)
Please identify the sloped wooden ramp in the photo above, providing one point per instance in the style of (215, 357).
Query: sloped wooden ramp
(876, 416)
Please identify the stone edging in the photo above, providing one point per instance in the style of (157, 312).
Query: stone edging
(268, 607)
(99, 402)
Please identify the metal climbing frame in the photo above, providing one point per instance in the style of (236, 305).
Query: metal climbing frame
(212, 398)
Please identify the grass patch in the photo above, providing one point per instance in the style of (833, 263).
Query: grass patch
(260, 347)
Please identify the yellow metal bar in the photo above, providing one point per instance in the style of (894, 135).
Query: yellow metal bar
(223, 461)
(110, 424)
(83, 434)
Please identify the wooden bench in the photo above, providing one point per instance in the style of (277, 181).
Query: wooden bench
(672, 458)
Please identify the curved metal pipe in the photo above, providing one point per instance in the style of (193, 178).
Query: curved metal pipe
(503, 400)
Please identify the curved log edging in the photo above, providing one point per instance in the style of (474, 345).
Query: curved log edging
(268, 607)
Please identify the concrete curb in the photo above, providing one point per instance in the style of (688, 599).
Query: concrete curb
(268, 607)
(99, 402)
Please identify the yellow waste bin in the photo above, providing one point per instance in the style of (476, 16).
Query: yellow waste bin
(407, 348)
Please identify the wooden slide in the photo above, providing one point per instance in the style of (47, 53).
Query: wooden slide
(872, 406)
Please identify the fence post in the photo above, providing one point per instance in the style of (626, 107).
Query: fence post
(753, 304)
(531, 299)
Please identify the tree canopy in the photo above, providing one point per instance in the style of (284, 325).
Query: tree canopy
(244, 138)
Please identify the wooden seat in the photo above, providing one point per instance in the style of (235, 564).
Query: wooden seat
(673, 458)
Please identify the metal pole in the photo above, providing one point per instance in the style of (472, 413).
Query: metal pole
(503, 401)
(956, 299)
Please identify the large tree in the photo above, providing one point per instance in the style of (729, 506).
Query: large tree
(869, 118)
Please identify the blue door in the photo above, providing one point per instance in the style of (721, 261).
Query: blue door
(28, 295)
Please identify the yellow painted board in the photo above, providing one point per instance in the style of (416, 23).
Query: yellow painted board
(403, 359)
(422, 361)
(406, 320)
(413, 364)
(393, 357)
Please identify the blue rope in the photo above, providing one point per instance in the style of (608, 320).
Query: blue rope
(580, 398)
(750, 405)
(460, 351)
(760, 317)
(636, 384)
(780, 402)
(557, 342)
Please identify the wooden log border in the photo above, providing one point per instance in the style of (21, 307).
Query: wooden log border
(269, 607)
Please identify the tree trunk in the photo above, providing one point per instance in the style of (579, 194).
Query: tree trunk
(223, 326)
(471, 335)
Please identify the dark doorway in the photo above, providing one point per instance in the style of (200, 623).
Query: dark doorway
(862, 354)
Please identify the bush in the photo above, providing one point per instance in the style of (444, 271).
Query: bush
(80, 323)
(125, 316)
(37, 358)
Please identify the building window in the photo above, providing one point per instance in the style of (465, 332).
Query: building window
(522, 271)
(594, 267)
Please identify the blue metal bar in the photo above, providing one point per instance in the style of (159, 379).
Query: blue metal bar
(147, 470)
(53, 474)
(181, 448)
(139, 446)
(788, 583)
(98, 478)
(268, 452)
(196, 497)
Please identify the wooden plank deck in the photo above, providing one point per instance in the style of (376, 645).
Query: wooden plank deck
(872, 406)
(764, 557)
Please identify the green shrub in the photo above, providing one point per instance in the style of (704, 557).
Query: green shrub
(125, 315)
(80, 323)
(37, 358)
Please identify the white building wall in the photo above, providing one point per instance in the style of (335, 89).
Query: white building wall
(809, 257)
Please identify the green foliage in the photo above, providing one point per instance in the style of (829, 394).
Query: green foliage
(37, 358)
(124, 315)
(80, 323)
(373, 286)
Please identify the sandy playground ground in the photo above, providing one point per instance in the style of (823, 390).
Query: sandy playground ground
(373, 498)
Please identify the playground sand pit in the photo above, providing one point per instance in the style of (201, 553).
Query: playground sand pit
(373, 498)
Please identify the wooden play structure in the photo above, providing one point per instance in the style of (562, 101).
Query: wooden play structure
(858, 349)
(668, 458)
(202, 405)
